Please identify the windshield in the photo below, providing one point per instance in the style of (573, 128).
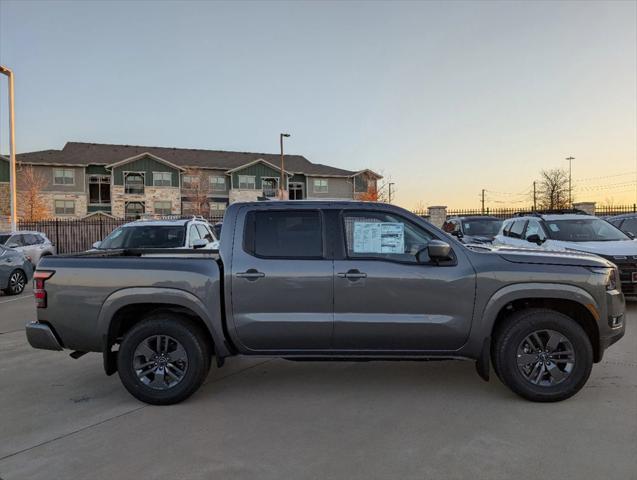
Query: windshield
(4, 238)
(488, 228)
(584, 230)
(145, 236)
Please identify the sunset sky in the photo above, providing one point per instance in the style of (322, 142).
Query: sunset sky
(444, 98)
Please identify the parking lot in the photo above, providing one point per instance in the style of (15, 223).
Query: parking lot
(63, 418)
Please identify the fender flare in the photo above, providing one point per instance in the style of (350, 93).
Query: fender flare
(209, 314)
(530, 290)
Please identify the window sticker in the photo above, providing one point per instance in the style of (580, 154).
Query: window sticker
(554, 227)
(379, 237)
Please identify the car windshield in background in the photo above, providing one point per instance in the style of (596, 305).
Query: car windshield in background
(4, 238)
(481, 227)
(584, 230)
(146, 236)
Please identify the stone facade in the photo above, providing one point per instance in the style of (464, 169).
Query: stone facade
(49, 199)
(149, 197)
(438, 215)
(238, 195)
(5, 200)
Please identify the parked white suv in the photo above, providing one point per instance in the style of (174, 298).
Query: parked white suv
(173, 233)
(33, 245)
(575, 232)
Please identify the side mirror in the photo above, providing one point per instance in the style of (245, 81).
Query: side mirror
(457, 233)
(96, 245)
(631, 235)
(535, 238)
(199, 243)
(437, 250)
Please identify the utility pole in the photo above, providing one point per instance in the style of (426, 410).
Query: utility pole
(389, 195)
(534, 198)
(570, 195)
(483, 201)
(12, 170)
(282, 195)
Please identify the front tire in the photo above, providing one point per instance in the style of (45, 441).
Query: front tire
(164, 359)
(543, 355)
(17, 282)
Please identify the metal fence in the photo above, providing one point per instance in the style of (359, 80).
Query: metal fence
(600, 211)
(78, 235)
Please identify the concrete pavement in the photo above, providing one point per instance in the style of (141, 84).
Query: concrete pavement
(63, 418)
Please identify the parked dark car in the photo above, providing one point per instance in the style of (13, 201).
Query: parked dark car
(473, 229)
(627, 223)
(331, 280)
(15, 271)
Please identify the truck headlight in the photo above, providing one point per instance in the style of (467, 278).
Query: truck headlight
(612, 277)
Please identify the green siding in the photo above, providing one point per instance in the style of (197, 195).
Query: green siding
(259, 170)
(147, 165)
(97, 170)
(4, 170)
(298, 177)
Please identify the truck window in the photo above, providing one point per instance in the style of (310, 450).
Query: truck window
(517, 229)
(284, 234)
(383, 235)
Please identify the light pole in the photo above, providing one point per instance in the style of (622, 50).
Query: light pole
(12, 171)
(282, 182)
(570, 196)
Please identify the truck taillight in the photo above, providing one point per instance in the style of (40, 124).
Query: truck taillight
(39, 277)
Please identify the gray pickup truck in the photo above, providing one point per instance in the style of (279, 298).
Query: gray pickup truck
(331, 280)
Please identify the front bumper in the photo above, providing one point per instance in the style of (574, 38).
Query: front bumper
(613, 327)
(41, 335)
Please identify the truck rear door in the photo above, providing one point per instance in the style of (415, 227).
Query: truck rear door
(282, 280)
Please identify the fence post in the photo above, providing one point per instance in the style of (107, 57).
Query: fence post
(57, 235)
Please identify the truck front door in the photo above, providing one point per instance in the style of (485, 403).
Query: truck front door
(282, 281)
(384, 299)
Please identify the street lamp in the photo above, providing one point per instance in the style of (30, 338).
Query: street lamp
(12, 173)
(282, 182)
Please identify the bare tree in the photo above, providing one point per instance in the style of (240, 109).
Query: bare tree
(552, 190)
(197, 190)
(30, 183)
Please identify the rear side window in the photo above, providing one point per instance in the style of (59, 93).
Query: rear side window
(630, 225)
(204, 232)
(517, 229)
(284, 234)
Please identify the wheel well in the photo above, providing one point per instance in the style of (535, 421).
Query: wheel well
(127, 317)
(570, 308)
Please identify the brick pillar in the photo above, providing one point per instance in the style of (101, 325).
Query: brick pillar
(438, 215)
(588, 207)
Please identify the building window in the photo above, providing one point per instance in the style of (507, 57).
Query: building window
(134, 183)
(65, 207)
(247, 182)
(99, 189)
(217, 206)
(190, 181)
(320, 185)
(162, 179)
(270, 186)
(63, 176)
(134, 209)
(218, 184)
(163, 207)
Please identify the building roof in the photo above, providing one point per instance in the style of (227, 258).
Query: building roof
(82, 154)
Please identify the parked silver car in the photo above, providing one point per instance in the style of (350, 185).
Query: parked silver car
(34, 245)
(15, 271)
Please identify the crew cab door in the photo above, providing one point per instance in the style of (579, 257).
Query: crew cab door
(385, 300)
(282, 280)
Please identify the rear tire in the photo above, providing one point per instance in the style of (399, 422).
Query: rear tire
(542, 355)
(164, 359)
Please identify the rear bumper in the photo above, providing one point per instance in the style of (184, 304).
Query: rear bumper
(41, 335)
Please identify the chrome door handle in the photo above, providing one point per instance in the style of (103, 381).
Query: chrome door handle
(352, 274)
(251, 274)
